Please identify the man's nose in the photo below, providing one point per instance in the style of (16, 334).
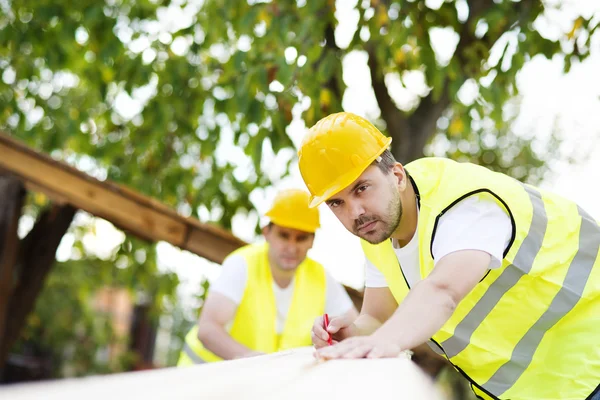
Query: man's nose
(291, 245)
(356, 209)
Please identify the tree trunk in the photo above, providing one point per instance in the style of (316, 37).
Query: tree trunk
(11, 195)
(36, 257)
(411, 132)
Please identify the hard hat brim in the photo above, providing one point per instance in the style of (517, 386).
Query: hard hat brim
(308, 228)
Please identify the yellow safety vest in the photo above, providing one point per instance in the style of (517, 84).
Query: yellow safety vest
(254, 324)
(531, 328)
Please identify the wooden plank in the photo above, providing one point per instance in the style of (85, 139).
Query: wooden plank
(287, 375)
(92, 197)
(126, 209)
(210, 245)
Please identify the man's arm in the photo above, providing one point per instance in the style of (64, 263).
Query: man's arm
(217, 312)
(432, 301)
(426, 308)
(378, 306)
(471, 238)
(374, 316)
(350, 315)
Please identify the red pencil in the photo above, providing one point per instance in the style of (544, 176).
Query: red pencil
(325, 325)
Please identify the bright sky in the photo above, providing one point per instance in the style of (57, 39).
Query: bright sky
(548, 95)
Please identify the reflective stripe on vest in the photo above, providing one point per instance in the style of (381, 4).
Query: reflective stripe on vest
(187, 350)
(564, 301)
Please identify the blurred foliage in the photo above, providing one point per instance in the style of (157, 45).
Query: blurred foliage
(183, 322)
(148, 93)
(68, 327)
(205, 74)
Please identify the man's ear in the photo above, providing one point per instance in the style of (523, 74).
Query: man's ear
(266, 229)
(312, 240)
(399, 176)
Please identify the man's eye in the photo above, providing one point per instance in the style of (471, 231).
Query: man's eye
(361, 189)
(335, 203)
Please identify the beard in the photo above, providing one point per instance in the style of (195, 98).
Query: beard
(386, 224)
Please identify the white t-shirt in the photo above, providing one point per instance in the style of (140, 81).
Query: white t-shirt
(475, 223)
(232, 283)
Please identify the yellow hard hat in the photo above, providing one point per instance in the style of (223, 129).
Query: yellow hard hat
(336, 151)
(290, 209)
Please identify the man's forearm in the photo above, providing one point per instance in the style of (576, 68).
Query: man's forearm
(422, 313)
(364, 325)
(216, 339)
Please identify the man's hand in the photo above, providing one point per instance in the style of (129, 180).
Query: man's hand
(339, 327)
(378, 306)
(360, 347)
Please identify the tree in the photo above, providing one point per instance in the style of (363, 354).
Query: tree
(69, 332)
(493, 40)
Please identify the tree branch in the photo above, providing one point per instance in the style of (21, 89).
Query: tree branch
(424, 119)
(333, 83)
(395, 120)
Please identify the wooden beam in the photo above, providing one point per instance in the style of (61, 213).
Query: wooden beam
(130, 211)
(36, 257)
(11, 202)
(289, 375)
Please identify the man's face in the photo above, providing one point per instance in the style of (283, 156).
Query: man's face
(370, 207)
(287, 247)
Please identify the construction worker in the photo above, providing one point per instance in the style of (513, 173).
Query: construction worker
(268, 294)
(500, 277)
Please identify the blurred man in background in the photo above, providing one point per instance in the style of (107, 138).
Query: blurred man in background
(268, 294)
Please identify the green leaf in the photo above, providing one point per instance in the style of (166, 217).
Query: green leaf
(327, 67)
(285, 73)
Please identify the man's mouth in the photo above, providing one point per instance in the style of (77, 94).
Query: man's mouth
(367, 227)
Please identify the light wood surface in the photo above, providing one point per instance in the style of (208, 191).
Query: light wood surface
(290, 375)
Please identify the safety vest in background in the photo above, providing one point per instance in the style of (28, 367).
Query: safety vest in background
(254, 324)
(531, 328)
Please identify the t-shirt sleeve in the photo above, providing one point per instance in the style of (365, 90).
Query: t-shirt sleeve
(475, 223)
(232, 280)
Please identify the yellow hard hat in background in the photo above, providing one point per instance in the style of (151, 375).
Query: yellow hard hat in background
(290, 210)
(336, 151)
